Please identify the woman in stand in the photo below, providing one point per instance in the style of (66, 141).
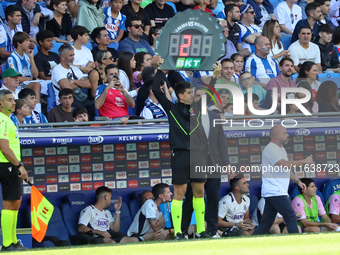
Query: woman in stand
(327, 97)
(126, 64)
(97, 75)
(153, 35)
(143, 59)
(311, 105)
(90, 14)
(272, 31)
(61, 24)
(309, 72)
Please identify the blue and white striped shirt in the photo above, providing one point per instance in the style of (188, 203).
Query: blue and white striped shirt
(262, 68)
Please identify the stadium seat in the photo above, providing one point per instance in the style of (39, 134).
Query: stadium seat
(330, 76)
(286, 41)
(135, 202)
(56, 46)
(295, 192)
(71, 209)
(35, 50)
(113, 45)
(125, 216)
(329, 188)
(50, 97)
(2, 12)
(294, 77)
(133, 111)
(5, 4)
(253, 204)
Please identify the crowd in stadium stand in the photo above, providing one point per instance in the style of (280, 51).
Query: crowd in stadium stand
(285, 45)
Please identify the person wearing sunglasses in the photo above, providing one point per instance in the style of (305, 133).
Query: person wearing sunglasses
(249, 31)
(288, 14)
(264, 11)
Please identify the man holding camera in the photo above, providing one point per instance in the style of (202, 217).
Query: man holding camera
(111, 99)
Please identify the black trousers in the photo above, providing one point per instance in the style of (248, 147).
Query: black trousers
(212, 191)
(274, 205)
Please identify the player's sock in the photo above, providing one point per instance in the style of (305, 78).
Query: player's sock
(38, 107)
(199, 207)
(176, 213)
(7, 227)
(15, 221)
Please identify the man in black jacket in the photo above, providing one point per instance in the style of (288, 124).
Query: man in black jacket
(329, 58)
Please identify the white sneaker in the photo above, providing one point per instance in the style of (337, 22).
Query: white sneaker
(216, 236)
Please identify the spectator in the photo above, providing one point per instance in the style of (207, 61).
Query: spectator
(143, 59)
(309, 72)
(227, 73)
(311, 105)
(10, 81)
(114, 104)
(22, 61)
(132, 9)
(83, 58)
(115, 21)
(303, 4)
(90, 15)
(153, 35)
(229, 46)
(62, 112)
(272, 30)
(327, 97)
(260, 64)
(228, 110)
(61, 24)
(332, 207)
(325, 9)
(233, 211)
(149, 221)
(33, 16)
(309, 204)
(249, 31)
(80, 113)
(291, 109)
(283, 80)
(133, 43)
(152, 108)
(288, 15)
(224, 94)
(30, 97)
(313, 12)
(264, 11)
(329, 58)
(101, 37)
(22, 110)
(45, 60)
(65, 75)
(126, 64)
(98, 222)
(202, 5)
(145, 196)
(97, 75)
(334, 13)
(238, 61)
(159, 13)
(254, 101)
(304, 50)
(336, 41)
(247, 81)
(8, 28)
(233, 15)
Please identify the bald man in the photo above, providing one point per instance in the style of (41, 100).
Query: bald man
(277, 170)
(260, 65)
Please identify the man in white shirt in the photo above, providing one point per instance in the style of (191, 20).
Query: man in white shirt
(249, 31)
(96, 221)
(276, 173)
(233, 209)
(149, 221)
(83, 58)
(304, 50)
(288, 14)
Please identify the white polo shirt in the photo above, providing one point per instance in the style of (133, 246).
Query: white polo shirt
(300, 55)
(284, 15)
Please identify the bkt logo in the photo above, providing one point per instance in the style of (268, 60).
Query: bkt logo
(108, 157)
(95, 139)
(63, 178)
(39, 170)
(188, 62)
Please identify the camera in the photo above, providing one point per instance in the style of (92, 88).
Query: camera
(115, 76)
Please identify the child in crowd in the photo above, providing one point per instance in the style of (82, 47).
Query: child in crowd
(247, 81)
(80, 114)
(238, 61)
(115, 20)
(35, 117)
(255, 103)
(228, 110)
(143, 59)
(22, 110)
(45, 60)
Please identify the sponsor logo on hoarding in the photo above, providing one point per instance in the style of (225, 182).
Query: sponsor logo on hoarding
(75, 186)
(144, 174)
(52, 188)
(50, 151)
(111, 184)
(86, 186)
(109, 166)
(98, 176)
(121, 184)
(97, 148)
(154, 146)
(61, 150)
(143, 146)
(39, 161)
(62, 159)
(85, 158)
(86, 177)
(75, 177)
(108, 148)
(26, 152)
(63, 178)
(39, 170)
(132, 165)
(108, 157)
(63, 169)
(143, 164)
(52, 179)
(85, 149)
(121, 175)
(95, 139)
(97, 167)
(155, 181)
(133, 184)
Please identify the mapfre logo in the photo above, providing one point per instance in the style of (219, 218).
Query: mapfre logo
(51, 160)
(75, 186)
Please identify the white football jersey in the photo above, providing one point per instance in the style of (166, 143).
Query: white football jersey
(230, 210)
(95, 219)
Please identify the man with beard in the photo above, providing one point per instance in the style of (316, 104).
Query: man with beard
(276, 173)
(233, 14)
(260, 65)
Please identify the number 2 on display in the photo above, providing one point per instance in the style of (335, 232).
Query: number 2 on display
(185, 45)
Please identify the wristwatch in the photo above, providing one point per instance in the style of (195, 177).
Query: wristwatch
(20, 164)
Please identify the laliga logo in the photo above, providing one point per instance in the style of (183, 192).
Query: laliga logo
(238, 104)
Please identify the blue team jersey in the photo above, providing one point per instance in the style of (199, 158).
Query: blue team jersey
(36, 117)
(337, 49)
(262, 68)
(199, 74)
(21, 65)
(16, 121)
(112, 25)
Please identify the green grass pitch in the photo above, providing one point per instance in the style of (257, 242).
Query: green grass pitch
(323, 243)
